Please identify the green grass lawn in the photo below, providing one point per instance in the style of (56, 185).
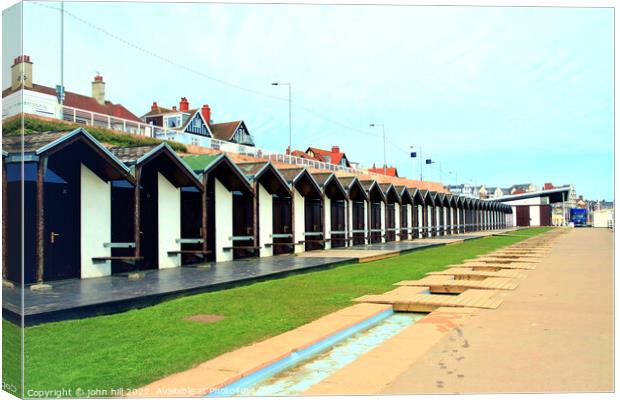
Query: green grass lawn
(137, 347)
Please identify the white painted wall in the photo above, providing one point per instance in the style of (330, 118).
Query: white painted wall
(95, 223)
(535, 215)
(437, 220)
(168, 222)
(446, 230)
(300, 228)
(420, 221)
(409, 222)
(429, 222)
(350, 218)
(366, 226)
(382, 222)
(397, 224)
(327, 223)
(223, 222)
(265, 220)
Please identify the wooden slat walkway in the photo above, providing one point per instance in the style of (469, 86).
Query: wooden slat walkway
(491, 259)
(447, 284)
(468, 273)
(480, 266)
(409, 298)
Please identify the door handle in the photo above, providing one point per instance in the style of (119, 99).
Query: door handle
(53, 236)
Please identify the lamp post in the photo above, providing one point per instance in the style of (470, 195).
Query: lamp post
(290, 124)
(430, 162)
(384, 153)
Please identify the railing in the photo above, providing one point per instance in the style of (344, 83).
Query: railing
(80, 116)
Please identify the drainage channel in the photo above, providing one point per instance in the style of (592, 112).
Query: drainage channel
(301, 370)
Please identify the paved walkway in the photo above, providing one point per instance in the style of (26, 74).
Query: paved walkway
(554, 333)
(78, 298)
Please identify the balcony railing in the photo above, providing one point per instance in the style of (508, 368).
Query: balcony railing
(85, 117)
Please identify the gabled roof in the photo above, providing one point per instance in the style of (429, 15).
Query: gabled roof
(417, 196)
(391, 194)
(334, 158)
(295, 175)
(225, 130)
(330, 185)
(46, 143)
(372, 186)
(268, 175)
(83, 102)
(405, 195)
(221, 167)
(389, 171)
(194, 114)
(353, 185)
(175, 169)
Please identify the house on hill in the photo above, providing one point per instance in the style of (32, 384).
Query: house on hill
(197, 123)
(44, 101)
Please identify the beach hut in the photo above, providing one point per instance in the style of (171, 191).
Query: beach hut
(376, 211)
(417, 211)
(274, 222)
(358, 209)
(336, 209)
(433, 217)
(308, 210)
(392, 212)
(153, 210)
(66, 178)
(229, 205)
(406, 213)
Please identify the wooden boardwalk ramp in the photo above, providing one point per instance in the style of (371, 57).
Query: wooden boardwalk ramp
(447, 284)
(411, 298)
(468, 273)
(488, 266)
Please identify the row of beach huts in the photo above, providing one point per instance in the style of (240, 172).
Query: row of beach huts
(91, 210)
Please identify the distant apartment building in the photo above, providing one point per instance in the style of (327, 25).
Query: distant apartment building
(464, 190)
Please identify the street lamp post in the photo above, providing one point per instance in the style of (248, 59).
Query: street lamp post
(384, 153)
(290, 124)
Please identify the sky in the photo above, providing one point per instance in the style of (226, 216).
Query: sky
(496, 95)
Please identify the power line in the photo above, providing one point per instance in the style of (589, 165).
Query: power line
(212, 78)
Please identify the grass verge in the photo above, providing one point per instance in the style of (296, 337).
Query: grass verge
(134, 348)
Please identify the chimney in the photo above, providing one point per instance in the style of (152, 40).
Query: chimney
(154, 107)
(174, 108)
(335, 149)
(21, 72)
(183, 104)
(206, 113)
(98, 89)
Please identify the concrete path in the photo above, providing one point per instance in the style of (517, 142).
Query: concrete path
(552, 334)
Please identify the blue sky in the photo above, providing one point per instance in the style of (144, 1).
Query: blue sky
(498, 95)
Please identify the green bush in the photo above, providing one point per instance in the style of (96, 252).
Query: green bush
(12, 127)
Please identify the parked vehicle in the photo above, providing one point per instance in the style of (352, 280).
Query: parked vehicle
(579, 216)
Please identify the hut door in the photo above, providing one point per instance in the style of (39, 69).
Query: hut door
(375, 222)
(545, 215)
(404, 221)
(337, 222)
(313, 223)
(61, 233)
(358, 222)
(282, 223)
(390, 222)
(243, 224)
(415, 233)
(433, 212)
(523, 215)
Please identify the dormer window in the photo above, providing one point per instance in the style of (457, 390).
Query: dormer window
(173, 121)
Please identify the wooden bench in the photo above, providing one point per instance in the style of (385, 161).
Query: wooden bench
(195, 252)
(128, 259)
(118, 245)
